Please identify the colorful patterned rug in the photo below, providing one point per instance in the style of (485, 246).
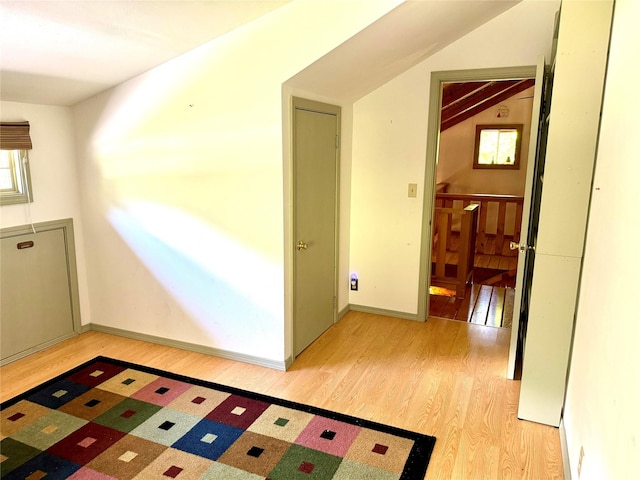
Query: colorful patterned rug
(108, 419)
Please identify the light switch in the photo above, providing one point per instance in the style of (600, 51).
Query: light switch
(413, 190)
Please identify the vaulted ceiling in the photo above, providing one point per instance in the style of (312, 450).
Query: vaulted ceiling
(461, 101)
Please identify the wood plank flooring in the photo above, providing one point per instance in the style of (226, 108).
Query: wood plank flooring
(440, 377)
(483, 304)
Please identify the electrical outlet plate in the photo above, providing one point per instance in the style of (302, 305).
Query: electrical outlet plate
(413, 190)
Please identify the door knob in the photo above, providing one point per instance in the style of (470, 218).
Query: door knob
(302, 245)
(520, 246)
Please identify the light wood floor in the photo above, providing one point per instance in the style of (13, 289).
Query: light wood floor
(443, 378)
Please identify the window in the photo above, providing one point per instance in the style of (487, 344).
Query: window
(15, 180)
(15, 185)
(497, 146)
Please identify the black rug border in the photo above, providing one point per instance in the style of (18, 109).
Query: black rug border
(415, 468)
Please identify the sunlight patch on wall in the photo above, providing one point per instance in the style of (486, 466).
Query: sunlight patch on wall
(185, 154)
(208, 273)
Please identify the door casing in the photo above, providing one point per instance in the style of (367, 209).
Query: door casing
(433, 139)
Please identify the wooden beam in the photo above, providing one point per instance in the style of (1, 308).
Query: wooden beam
(482, 99)
(454, 92)
(478, 96)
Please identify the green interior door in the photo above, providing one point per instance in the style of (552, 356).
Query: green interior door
(315, 170)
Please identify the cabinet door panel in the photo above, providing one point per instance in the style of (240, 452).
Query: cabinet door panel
(34, 291)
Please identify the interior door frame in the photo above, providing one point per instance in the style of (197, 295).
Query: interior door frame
(324, 108)
(433, 143)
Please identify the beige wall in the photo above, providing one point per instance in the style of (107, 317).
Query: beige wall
(182, 184)
(601, 411)
(52, 164)
(389, 148)
(54, 178)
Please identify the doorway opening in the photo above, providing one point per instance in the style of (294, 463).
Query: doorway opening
(430, 221)
(484, 133)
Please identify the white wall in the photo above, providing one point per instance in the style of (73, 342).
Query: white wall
(54, 179)
(601, 409)
(389, 148)
(182, 183)
(455, 156)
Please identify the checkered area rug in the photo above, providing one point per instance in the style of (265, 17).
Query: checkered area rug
(108, 419)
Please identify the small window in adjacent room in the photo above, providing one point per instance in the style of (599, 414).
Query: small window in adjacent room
(498, 146)
(15, 179)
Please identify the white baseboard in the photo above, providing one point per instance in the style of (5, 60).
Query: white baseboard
(193, 347)
(36, 349)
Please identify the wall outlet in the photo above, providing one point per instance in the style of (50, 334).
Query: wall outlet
(354, 283)
(580, 460)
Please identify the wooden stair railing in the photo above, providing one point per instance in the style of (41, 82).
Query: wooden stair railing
(454, 277)
(504, 202)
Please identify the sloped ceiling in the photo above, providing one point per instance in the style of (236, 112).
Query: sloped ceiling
(461, 101)
(62, 52)
(404, 37)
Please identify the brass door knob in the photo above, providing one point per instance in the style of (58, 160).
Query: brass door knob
(520, 246)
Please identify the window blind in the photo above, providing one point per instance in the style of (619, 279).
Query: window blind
(15, 136)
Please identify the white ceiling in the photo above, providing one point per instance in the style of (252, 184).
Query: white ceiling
(62, 52)
(404, 37)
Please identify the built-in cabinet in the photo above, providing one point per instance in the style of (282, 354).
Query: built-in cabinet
(38, 288)
(579, 74)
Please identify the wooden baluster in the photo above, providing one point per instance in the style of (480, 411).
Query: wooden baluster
(467, 248)
(472, 234)
(444, 219)
(502, 213)
(482, 228)
(449, 204)
(518, 224)
(463, 255)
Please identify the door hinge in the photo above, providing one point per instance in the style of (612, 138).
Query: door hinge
(337, 141)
